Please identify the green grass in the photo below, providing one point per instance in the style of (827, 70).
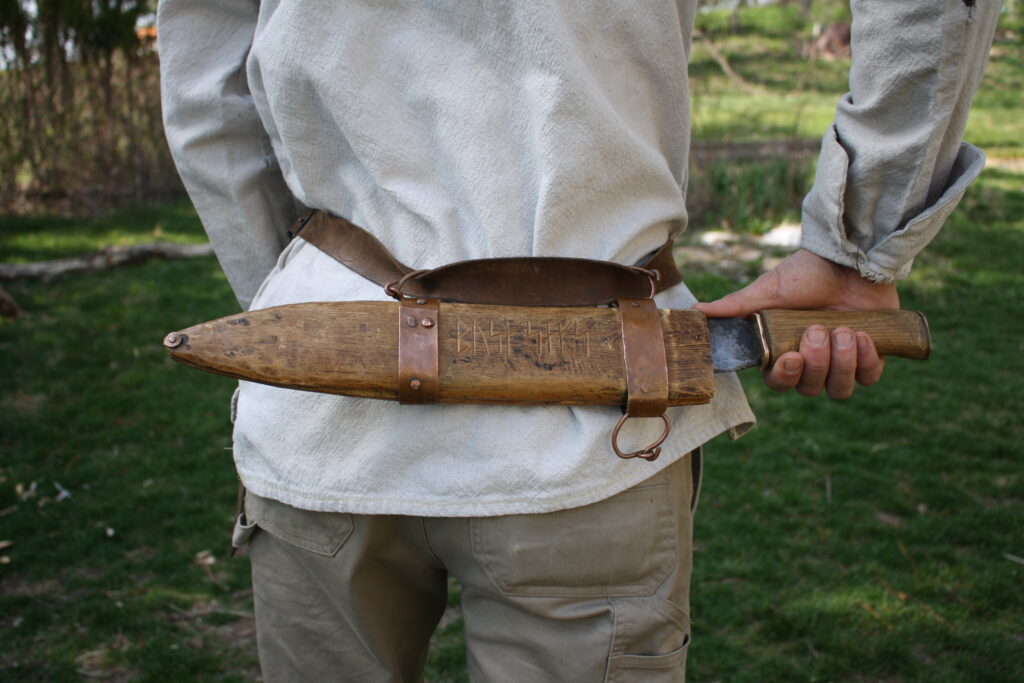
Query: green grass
(89, 401)
(857, 541)
(776, 21)
(748, 197)
(865, 540)
(862, 540)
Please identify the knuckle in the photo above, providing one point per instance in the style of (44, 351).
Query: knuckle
(840, 394)
(816, 366)
(777, 382)
(867, 380)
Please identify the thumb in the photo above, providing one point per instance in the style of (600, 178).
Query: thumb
(762, 293)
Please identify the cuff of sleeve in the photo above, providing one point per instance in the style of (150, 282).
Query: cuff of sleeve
(891, 258)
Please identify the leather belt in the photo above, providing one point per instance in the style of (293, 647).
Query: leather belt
(519, 281)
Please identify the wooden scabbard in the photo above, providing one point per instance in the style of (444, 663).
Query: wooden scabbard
(486, 354)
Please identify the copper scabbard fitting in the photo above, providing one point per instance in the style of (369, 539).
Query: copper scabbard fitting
(174, 340)
(649, 453)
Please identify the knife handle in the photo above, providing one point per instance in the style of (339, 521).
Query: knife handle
(895, 333)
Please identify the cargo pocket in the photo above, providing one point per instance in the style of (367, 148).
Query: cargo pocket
(666, 668)
(652, 634)
(621, 546)
(322, 533)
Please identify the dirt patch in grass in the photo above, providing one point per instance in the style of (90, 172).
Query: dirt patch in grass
(100, 663)
(24, 403)
(13, 585)
(229, 627)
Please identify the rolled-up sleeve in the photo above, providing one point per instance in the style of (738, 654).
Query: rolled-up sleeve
(893, 165)
(221, 150)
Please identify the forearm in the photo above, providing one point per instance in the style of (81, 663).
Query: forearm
(892, 166)
(215, 135)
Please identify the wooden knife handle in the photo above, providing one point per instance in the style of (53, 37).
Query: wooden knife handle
(895, 333)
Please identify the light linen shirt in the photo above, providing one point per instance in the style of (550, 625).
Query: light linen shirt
(459, 130)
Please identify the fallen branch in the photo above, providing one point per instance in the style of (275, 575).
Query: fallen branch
(727, 69)
(107, 257)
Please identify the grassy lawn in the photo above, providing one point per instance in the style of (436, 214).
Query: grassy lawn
(878, 539)
(111, 579)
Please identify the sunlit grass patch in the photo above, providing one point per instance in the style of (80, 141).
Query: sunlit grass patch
(25, 239)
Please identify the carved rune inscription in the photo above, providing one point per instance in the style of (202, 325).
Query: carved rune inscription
(506, 338)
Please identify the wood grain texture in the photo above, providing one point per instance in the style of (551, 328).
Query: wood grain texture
(487, 354)
(895, 333)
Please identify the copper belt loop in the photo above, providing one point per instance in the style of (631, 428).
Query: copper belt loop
(394, 289)
(643, 351)
(653, 274)
(418, 324)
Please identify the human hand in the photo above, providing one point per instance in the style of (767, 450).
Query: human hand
(833, 362)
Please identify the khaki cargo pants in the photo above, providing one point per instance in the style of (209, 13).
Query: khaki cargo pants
(597, 593)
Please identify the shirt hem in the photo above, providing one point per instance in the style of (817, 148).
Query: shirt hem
(735, 423)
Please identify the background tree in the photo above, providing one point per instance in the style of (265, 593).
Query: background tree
(79, 105)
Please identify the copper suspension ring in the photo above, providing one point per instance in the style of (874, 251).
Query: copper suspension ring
(651, 452)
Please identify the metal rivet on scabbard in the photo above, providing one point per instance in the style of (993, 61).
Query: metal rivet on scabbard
(415, 385)
(173, 339)
(427, 322)
(410, 321)
(421, 301)
(636, 304)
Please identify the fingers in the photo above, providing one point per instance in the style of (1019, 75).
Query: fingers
(834, 362)
(786, 372)
(843, 367)
(806, 370)
(816, 350)
(869, 364)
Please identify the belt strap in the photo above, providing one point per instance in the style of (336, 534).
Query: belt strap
(517, 281)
